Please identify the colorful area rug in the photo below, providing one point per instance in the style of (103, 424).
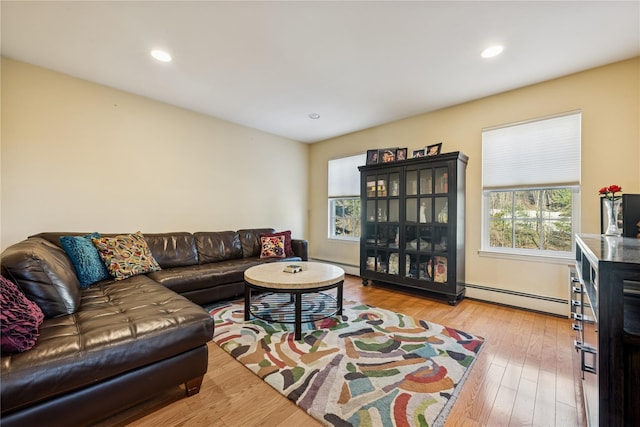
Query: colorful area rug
(368, 367)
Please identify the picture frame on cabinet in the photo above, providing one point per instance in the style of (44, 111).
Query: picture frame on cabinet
(372, 157)
(417, 153)
(401, 154)
(434, 149)
(387, 155)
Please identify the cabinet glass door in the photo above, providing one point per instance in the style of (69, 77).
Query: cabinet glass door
(382, 218)
(425, 231)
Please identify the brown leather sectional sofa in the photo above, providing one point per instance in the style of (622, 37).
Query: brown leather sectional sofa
(119, 341)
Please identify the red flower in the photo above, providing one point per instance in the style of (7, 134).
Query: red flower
(610, 191)
(615, 188)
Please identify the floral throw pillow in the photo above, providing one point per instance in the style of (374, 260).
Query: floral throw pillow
(20, 319)
(288, 249)
(272, 247)
(126, 255)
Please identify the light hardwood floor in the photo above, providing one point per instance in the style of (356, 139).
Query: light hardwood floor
(527, 373)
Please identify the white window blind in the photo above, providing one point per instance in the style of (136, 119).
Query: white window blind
(344, 176)
(543, 152)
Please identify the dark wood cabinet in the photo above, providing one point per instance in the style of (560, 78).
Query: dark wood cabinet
(413, 224)
(606, 294)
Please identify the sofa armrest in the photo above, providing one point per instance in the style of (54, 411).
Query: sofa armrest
(300, 248)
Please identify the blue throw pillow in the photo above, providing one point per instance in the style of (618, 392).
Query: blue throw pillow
(85, 258)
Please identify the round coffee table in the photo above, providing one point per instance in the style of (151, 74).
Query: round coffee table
(314, 278)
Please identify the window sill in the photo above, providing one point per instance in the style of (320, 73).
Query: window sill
(554, 258)
(349, 241)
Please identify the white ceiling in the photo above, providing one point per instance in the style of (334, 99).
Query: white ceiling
(359, 64)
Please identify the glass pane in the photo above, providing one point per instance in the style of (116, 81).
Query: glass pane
(394, 237)
(382, 187)
(411, 269)
(425, 242)
(394, 264)
(556, 204)
(426, 181)
(371, 186)
(381, 264)
(410, 235)
(556, 235)
(371, 210)
(531, 219)
(412, 183)
(527, 234)
(394, 184)
(501, 234)
(439, 269)
(370, 234)
(442, 180)
(412, 210)
(394, 210)
(526, 204)
(440, 240)
(426, 210)
(442, 210)
(500, 204)
(424, 267)
(382, 211)
(371, 261)
(346, 214)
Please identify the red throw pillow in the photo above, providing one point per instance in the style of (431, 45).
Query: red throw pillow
(288, 250)
(19, 319)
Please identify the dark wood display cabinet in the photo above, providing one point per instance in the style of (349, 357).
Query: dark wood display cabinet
(606, 311)
(413, 224)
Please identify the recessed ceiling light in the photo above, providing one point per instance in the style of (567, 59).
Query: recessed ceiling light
(314, 116)
(161, 55)
(492, 51)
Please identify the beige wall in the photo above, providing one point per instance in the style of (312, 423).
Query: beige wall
(77, 156)
(609, 99)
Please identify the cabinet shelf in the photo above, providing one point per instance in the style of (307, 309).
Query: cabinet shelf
(413, 224)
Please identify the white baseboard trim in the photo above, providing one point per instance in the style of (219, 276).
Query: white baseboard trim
(522, 300)
(351, 269)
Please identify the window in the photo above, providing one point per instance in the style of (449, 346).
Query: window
(530, 180)
(344, 197)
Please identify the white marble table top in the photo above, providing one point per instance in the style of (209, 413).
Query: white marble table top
(313, 275)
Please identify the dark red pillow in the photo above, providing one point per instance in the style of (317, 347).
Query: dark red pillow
(19, 319)
(288, 250)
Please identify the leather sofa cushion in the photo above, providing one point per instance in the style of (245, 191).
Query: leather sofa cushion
(250, 239)
(173, 249)
(216, 246)
(204, 276)
(45, 274)
(121, 327)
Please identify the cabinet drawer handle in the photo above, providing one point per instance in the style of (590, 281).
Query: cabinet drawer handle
(576, 303)
(576, 316)
(577, 345)
(576, 327)
(584, 350)
(575, 280)
(577, 289)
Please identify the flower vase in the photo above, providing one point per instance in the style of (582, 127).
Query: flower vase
(612, 211)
